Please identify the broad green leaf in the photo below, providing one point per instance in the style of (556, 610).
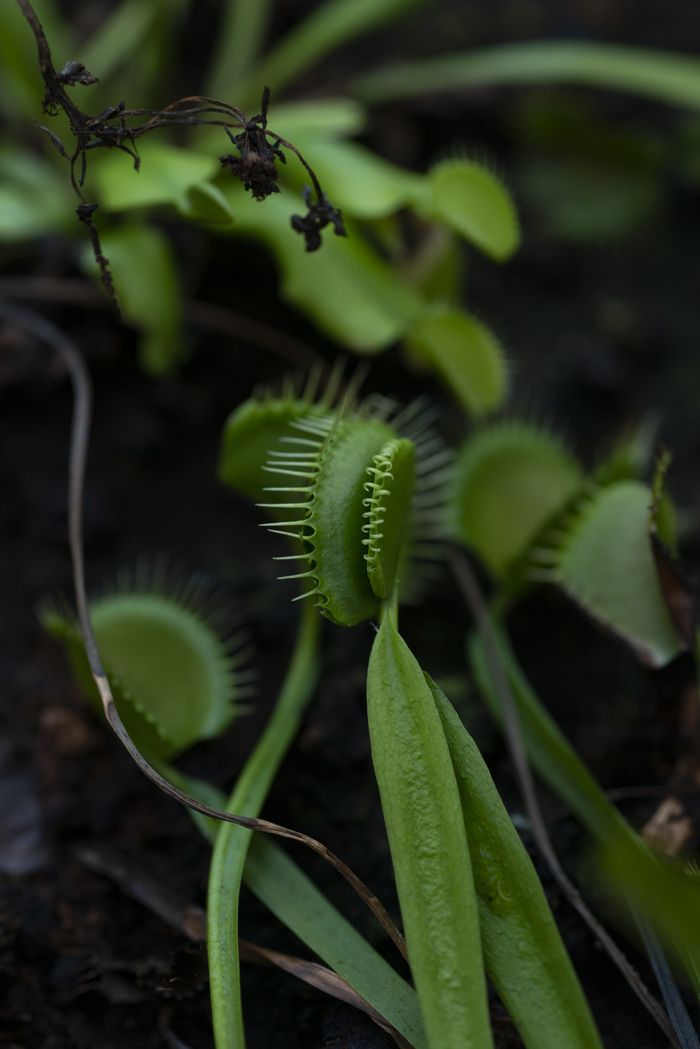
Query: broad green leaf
(466, 355)
(510, 478)
(322, 118)
(474, 203)
(35, 197)
(173, 678)
(523, 951)
(358, 181)
(148, 289)
(604, 561)
(430, 855)
(165, 176)
(346, 288)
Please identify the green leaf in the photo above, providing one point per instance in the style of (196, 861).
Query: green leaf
(509, 480)
(662, 891)
(165, 176)
(547, 748)
(119, 36)
(560, 766)
(604, 560)
(148, 289)
(173, 678)
(465, 354)
(346, 288)
(35, 198)
(295, 900)
(318, 118)
(239, 36)
(423, 817)
(232, 841)
(358, 181)
(205, 203)
(475, 204)
(523, 951)
(328, 26)
(661, 75)
(21, 84)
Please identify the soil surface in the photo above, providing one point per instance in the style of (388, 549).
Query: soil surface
(600, 335)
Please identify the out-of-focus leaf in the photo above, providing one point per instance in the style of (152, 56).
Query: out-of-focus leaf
(289, 894)
(148, 289)
(240, 33)
(662, 75)
(318, 118)
(474, 202)
(205, 203)
(132, 51)
(21, 84)
(509, 479)
(466, 355)
(603, 559)
(663, 892)
(345, 287)
(358, 181)
(35, 198)
(165, 176)
(328, 26)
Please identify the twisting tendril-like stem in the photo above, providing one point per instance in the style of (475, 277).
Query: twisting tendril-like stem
(80, 431)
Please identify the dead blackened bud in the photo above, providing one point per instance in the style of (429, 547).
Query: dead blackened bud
(321, 213)
(86, 211)
(75, 73)
(256, 164)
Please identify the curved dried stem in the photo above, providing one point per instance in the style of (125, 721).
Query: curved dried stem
(80, 431)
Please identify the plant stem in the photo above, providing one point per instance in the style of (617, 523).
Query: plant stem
(232, 842)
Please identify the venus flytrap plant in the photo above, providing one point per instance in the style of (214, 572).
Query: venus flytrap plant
(356, 480)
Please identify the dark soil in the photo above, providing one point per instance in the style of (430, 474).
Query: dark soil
(81, 963)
